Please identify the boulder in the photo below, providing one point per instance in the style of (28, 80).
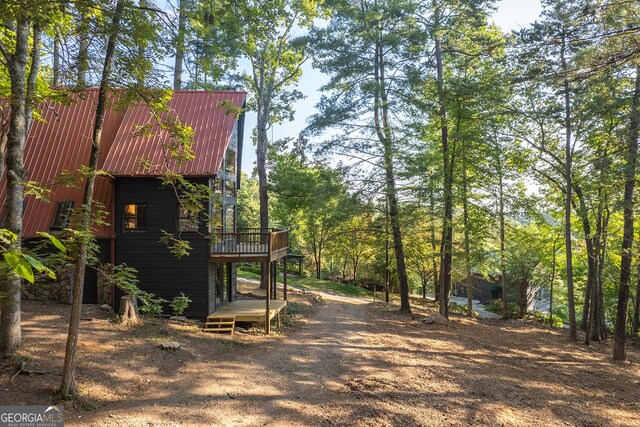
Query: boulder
(170, 345)
(436, 319)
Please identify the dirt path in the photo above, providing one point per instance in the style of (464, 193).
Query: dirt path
(351, 364)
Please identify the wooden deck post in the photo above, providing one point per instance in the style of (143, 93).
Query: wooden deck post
(286, 262)
(274, 277)
(267, 321)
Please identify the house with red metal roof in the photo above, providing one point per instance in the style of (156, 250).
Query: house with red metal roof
(139, 208)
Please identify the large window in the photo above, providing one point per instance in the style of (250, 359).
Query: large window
(135, 217)
(217, 186)
(230, 162)
(63, 215)
(188, 220)
(230, 219)
(229, 188)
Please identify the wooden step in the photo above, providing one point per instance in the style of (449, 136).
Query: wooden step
(220, 324)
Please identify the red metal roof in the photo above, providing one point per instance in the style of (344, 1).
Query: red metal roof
(62, 142)
(137, 154)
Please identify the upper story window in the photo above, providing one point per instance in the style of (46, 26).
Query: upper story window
(217, 186)
(135, 217)
(230, 162)
(188, 220)
(230, 188)
(62, 217)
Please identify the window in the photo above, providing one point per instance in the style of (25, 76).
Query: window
(230, 219)
(135, 217)
(63, 215)
(230, 188)
(217, 186)
(187, 220)
(230, 162)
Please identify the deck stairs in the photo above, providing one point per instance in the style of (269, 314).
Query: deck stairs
(220, 324)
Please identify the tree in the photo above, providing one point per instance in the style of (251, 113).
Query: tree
(20, 57)
(276, 60)
(361, 52)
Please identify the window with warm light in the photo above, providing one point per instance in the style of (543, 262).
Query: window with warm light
(135, 217)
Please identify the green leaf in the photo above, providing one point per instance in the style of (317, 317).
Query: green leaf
(57, 243)
(19, 265)
(39, 266)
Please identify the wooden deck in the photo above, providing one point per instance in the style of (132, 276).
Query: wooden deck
(249, 310)
(249, 245)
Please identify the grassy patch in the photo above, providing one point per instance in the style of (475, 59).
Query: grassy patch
(312, 284)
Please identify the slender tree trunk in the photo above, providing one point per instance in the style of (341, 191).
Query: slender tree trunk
(553, 279)
(83, 50)
(619, 349)
(434, 262)
(573, 333)
(383, 130)
(179, 59)
(447, 228)
(465, 220)
(68, 386)
(261, 162)
(636, 308)
(590, 244)
(57, 52)
(503, 259)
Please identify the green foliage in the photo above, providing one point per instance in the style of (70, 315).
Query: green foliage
(179, 304)
(248, 198)
(495, 306)
(178, 247)
(21, 263)
(126, 278)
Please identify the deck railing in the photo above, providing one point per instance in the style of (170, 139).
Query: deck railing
(249, 241)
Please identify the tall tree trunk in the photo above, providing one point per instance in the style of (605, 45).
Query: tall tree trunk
(383, 130)
(553, 279)
(261, 163)
(68, 386)
(21, 103)
(83, 50)
(590, 244)
(503, 259)
(573, 333)
(619, 349)
(447, 226)
(57, 53)
(434, 262)
(10, 319)
(636, 308)
(180, 36)
(465, 220)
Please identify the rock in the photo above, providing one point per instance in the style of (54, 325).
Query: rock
(436, 319)
(241, 330)
(170, 345)
(105, 307)
(179, 319)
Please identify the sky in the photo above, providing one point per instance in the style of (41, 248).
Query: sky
(510, 15)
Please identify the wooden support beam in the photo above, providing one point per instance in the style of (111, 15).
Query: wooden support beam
(274, 277)
(267, 320)
(286, 263)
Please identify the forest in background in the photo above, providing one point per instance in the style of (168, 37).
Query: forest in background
(442, 149)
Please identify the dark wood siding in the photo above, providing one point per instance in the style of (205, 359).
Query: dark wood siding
(159, 271)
